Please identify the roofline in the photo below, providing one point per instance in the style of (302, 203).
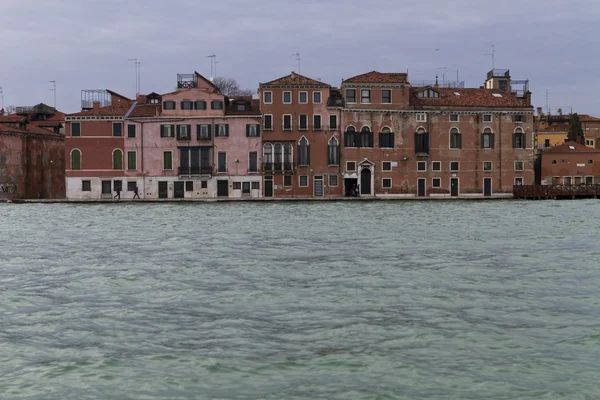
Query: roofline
(113, 93)
(198, 75)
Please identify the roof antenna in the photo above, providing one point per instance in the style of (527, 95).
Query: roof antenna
(297, 59)
(213, 67)
(137, 75)
(53, 90)
(493, 54)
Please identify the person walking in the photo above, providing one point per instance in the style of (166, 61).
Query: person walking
(118, 195)
(136, 193)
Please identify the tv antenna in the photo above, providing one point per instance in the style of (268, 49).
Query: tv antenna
(297, 55)
(2, 95)
(493, 54)
(213, 65)
(53, 90)
(137, 75)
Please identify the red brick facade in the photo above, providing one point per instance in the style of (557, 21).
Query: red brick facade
(570, 164)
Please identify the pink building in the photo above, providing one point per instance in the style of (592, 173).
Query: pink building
(193, 143)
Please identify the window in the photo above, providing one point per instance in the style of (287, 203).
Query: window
(487, 117)
(421, 141)
(245, 187)
(386, 96)
(333, 152)
(287, 122)
(553, 161)
(333, 180)
(350, 137)
(386, 138)
(252, 130)
(518, 181)
(117, 159)
(578, 180)
(487, 165)
(287, 97)
(187, 105)
(267, 97)
(183, 132)
(189, 186)
(366, 137)
(317, 97)
(268, 153)
(253, 161)
(203, 131)
(303, 180)
(436, 166)
(546, 142)
(590, 142)
(519, 139)
(169, 105)
(303, 126)
(556, 180)
(237, 185)
(303, 97)
(421, 117)
(386, 166)
(131, 160)
(421, 166)
(118, 185)
(287, 180)
(167, 130)
(589, 180)
(86, 186)
(428, 94)
(167, 160)
(75, 159)
(590, 161)
(386, 183)
(454, 165)
(154, 101)
(519, 166)
(203, 184)
(268, 122)
(453, 117)
(519, 118)
(455, 139)
(436, 183)
(200, 105)
(130, 131)
(303, 152)
(487, 139)
(75, 128)
(255, 185)
(216, 105)
(350, 95)
(317, 124)
(365, 96)
(333, 122)
(222, 162)
(567, 180)
(350, 166)
(117, 129)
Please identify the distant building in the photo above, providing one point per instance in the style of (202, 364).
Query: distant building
(570, 164)
(32, 153)
(552, 130)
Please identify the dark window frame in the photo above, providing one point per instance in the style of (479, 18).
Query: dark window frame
(386, 96)
(78, 124)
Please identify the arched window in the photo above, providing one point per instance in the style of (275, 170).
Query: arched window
(268, 153)
(366, 137)
(386, 138)
(117, 159)
(277, 150)
(350, 137)
(333, 152)
(519, 139)
(428, 94)
(455, 139)
(75, 159)
(303, 152)
(287, 155)
(487, 139)
(421, 141)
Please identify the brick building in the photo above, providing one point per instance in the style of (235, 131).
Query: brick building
(552, 130)
(301, 139)
(401, 140)
(570, 164)
(32, 154)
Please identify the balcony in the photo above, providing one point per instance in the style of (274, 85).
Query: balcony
(207, 170)
(278, 167)
(186, 81)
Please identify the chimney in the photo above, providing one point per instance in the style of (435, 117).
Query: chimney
(539, 111)
(96, 106)
(528, 98)
(436, 82)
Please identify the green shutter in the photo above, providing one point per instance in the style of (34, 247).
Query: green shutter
(162, 131)
(514, 140)
(209, 130)
(492, 140)
(172, 130)
(198, 131)
(247, 130)
(459, 137)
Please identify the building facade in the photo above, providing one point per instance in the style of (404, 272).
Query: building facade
(570, 163)
(401, 140)
(552, 130)
(301, 138)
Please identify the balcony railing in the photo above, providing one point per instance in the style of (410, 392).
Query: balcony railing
(278, 167)
(195, 170)
(556, 191)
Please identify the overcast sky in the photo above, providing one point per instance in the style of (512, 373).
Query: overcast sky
(86, 44)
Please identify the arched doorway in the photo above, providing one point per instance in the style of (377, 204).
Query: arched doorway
(365, 181)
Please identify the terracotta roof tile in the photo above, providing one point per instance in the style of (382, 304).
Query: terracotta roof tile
(379, 77)
(11, 118)
(118, 109)
(254, 106)
(29, 129)
(571, 147)
(470, 97)
(295, 79)
(145, 110)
